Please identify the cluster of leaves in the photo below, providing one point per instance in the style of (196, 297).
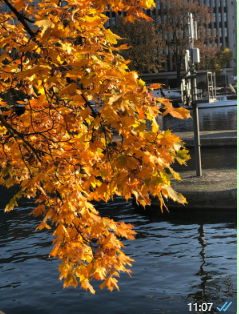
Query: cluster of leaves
(223, 59)
(59, 151)
(146, 45)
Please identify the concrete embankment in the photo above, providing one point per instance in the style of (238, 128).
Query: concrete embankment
(215, 189)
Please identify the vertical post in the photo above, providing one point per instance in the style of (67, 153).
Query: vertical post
(197, 141)
(193, 100)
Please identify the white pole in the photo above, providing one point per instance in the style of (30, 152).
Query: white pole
(193, 100)
(191, 26)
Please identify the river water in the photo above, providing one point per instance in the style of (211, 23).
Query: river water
(179, 259)
(210, 119)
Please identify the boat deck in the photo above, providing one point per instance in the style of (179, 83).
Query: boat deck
(219, 103)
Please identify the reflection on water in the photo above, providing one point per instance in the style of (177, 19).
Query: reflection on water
(211, 119)
(180, 258)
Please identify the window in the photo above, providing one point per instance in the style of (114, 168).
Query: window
(220, 32)
(224, 3)
(158, 4)
(225, 31)
(208, 3)
(225, 16)
(219, 17)
(214, 3)
(214, 17)
(107, 24)
(219, 3)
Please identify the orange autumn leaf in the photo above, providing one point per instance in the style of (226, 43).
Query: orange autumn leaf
(38, 210)
(155, 86)
(141, 113)
(111, 283)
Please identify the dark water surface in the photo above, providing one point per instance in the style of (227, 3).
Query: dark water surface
(179, 259)
(210, 119)
(211, 158)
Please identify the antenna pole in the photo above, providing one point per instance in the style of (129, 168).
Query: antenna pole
(193, 97)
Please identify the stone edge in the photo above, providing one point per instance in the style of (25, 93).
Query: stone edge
(226, 199)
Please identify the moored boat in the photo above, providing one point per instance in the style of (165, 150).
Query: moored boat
(220, 101)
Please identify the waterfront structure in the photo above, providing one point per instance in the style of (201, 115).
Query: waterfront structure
(224, 25)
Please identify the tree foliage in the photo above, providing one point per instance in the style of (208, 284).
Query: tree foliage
(59, 151)
(146, 45)
(222, 60)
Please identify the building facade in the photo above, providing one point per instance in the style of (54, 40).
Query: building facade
(224, 25)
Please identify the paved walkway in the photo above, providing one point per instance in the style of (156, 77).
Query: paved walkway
(215, 189)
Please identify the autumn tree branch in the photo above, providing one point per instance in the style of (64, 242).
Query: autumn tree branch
(14, 131)
(21, 18)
